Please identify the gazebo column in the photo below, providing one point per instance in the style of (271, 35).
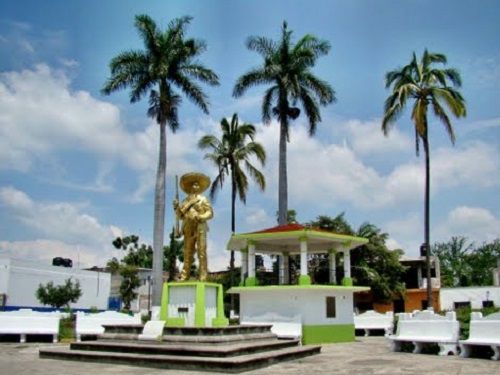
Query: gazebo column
(333, 267)
(304, 278)
(347, 280)
(284, 276)
(251, 280)
(244, 265)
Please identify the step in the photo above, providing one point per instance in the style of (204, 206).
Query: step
(190, 331)
(228, 364)
(194, 339)
(185, 349)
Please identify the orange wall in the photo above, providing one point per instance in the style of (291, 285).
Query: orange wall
(414, 298)
(413, 301)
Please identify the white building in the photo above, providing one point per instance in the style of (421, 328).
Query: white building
(19, 280)
(474, 296)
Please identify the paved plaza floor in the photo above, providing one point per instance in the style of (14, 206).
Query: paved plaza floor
(367, 356)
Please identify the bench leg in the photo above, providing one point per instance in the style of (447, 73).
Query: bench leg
(496, 351)
(395, 346)
(54, 338)
(367, 332)
(445, 349)
(78, 338)
(418, 347)
(464, 350)
(22, 338)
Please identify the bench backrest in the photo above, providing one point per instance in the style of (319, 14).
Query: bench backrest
(374, 319)
(95, 322)
(487, 327)
(423, 324)
(282, 326)
(29, 324)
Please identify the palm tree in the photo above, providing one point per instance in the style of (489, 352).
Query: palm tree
(426, 86)
(235, 147)
(167, 62)
(287, 68)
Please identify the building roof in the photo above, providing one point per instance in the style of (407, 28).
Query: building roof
(286, 238)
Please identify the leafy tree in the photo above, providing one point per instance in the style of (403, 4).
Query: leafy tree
(482, 261)
(167, 62)
(59, 295)
(373, 264)
(463, 264)
(426, 85)
(287, 68)
(453, 258)
(337, 224)
(172, 253)
(235, 148)
(291, 216)
(130, 282)
(140, 255)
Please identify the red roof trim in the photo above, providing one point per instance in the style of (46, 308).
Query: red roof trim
(282, 228)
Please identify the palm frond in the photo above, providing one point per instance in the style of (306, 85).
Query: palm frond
(252, 78)
(441, 114)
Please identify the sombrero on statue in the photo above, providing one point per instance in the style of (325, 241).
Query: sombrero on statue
(188, 179)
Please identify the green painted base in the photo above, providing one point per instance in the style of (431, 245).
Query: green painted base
(199, 305)
(347, 281)
(220, 322)
(304, 280)
(322, 334)
(175, 322)
(251, 281)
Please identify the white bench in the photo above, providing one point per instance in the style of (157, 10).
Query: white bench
(29, 323)
(423, 327)
(370, 320)
(153, 330)
(483, 332)
(92, 324)
(282, 326)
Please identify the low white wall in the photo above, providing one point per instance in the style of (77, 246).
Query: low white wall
(21, 279)
(309, 303)
(475, 295)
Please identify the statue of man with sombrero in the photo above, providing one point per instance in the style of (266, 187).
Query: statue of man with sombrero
(194, 211)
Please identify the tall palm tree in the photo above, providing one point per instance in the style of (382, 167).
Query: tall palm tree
(167, 62)
(287, 68)
(235, 147)
(425, 85)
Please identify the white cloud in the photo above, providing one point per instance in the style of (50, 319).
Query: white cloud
(325, 174)
(366, 138)
(44, 250)
(477, 223)
(62, 224)
(41, 115)
(258, 218)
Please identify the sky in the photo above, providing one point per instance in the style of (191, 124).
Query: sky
(77, 168)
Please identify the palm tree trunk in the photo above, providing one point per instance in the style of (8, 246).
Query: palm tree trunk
(427, 219)
(233, 229)
(159, 218)
(282, 182)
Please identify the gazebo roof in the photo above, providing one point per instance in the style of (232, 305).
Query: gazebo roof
(286, 238)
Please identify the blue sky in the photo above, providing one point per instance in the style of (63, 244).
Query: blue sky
(77, 168)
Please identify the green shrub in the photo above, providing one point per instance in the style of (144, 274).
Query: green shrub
(67, 328)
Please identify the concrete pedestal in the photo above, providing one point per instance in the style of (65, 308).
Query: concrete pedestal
(193, 304)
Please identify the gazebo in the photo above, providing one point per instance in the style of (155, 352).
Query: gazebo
(324, 312)
(293, 239)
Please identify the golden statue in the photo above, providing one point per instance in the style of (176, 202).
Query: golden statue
(194, 211)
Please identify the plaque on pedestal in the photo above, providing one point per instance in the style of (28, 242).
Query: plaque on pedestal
(193, 304)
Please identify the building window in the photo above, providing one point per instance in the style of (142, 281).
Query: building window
(330, 307)
(459, 305)
(488, 304)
